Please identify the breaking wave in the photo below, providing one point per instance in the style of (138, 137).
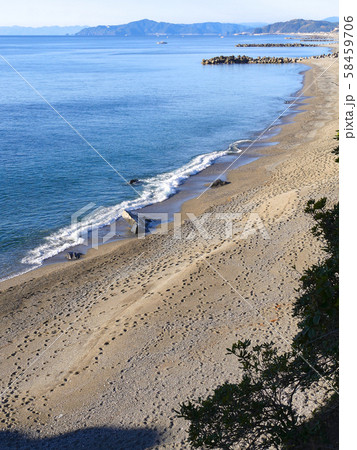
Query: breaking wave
(153, 190)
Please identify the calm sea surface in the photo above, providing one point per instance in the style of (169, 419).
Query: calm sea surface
(152, 111)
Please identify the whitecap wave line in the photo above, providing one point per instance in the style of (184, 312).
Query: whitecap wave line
(155, 190)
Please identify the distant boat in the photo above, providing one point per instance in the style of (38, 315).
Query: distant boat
(162, 42)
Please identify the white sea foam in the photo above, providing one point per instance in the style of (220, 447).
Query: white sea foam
(234, 147)
(155, 190)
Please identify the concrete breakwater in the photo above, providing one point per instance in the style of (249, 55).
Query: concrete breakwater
(243, 59)
(298, 44)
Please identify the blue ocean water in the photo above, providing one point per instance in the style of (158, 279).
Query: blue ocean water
(152, 111)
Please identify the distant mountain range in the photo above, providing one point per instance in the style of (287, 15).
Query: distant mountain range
(334, 19)
(147, 27)
(40, 31)
(150, 27)
(297, 26)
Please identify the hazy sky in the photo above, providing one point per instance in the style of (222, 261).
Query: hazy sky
(113, 12)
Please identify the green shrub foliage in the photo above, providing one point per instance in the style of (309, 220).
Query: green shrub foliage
(260, 412)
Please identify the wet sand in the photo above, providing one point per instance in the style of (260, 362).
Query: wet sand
(109, 345)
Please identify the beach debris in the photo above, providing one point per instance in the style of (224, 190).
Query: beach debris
(132, 219)
(71, 256)
(135, 221)
(218, 183)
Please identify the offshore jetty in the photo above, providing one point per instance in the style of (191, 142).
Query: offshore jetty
(243, 59)
(297, 44)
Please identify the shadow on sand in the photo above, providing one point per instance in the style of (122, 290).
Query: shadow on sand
(89, 439)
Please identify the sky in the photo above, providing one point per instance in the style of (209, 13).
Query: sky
(36, 13)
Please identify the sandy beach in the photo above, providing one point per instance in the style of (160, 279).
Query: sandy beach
(97, 353)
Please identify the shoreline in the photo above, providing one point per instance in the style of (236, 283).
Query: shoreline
(262, 139)
(117, 340)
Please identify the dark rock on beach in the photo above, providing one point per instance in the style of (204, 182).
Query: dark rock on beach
(71, 256)
(218, 183)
